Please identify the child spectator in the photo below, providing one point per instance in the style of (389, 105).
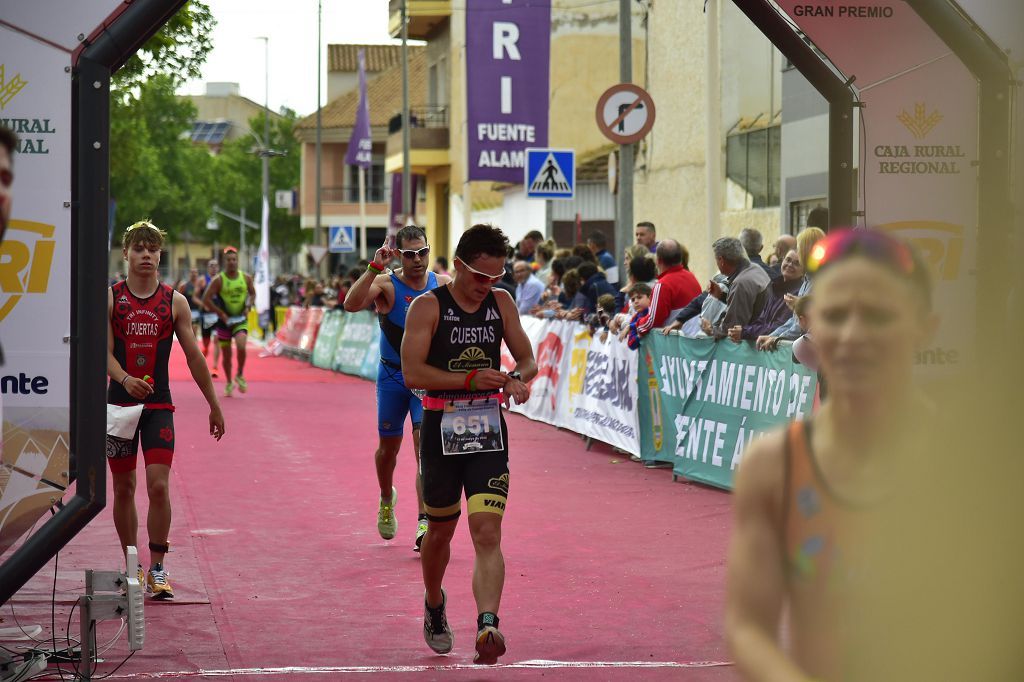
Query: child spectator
(640, 298)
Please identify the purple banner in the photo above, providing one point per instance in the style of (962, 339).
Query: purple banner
(360, 145)
(508, 43)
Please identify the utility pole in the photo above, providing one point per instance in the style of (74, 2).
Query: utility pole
(265, 154)
(624, 228)
(317, 236)
(407, 209)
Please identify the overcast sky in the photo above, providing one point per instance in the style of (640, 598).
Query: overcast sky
(238, 57)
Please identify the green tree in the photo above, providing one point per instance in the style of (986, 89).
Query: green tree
(179, 49)
(155, 170)
(239, 179)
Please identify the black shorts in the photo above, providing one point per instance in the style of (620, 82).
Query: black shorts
(483, 476)
(156, 431)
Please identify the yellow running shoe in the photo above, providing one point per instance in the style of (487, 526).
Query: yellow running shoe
(228, 388)
(421, 531)
(490, 644)
(387, 524)
(243, 385)
(157, 584)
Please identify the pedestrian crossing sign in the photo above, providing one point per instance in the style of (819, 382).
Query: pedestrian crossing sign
(343, 239)
(550, 173)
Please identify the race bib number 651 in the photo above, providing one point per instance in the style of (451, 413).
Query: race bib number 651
(470, 426)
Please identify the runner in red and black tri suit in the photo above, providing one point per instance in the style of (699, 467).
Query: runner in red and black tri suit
(143, 317)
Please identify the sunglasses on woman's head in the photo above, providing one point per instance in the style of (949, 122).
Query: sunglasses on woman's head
(412, 253)
(871, 244)
(482, 277)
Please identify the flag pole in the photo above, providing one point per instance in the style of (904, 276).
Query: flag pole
(362, 213)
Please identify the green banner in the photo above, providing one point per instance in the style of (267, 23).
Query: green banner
(358, 334)
(372, 359)
(701, 402)
(327, 339)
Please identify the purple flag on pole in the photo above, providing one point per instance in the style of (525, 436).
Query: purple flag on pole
(396, 219)
(360, 145)
(508, 44)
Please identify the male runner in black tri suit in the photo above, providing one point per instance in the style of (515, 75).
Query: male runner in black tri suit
(452, 348)
(144, 316)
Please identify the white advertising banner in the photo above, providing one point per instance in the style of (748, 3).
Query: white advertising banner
(583, 383)
(919, 147)
(35, 285)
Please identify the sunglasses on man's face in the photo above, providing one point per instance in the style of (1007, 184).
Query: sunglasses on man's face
(481, 277)
(412, 253)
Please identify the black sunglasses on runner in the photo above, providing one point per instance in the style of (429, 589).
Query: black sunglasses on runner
(412, 253)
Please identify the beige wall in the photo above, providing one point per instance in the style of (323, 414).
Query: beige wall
(671, 187)
(238, 110)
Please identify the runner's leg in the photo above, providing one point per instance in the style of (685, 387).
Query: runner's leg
(240, 341)
(489, 567)
(434, 555)
(126, 517)
(226, 351)
(419, 476)
(158, 524)
(386, 458)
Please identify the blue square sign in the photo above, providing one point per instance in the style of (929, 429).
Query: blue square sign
(342, 239)
(550, 173)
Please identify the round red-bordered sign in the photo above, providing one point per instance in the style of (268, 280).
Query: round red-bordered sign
(625, 113)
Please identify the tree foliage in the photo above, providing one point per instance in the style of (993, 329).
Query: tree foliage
(158, 173)
(178, 50)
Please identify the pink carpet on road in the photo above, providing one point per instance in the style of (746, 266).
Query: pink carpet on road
(613, 571)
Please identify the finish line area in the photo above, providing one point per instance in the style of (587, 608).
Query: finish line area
(279, 572)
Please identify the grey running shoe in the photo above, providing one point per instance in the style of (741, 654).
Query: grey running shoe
(490, 644)
(436, 632)
(387, 524)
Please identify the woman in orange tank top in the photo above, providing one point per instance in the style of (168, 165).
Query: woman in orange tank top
(801, 494)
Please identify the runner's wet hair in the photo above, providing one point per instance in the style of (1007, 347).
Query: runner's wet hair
(143, 232)
(481, 240)
(410, 233)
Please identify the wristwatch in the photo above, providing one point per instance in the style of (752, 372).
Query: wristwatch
(515, 375)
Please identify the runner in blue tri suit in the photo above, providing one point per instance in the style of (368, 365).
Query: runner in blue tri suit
(392, 293)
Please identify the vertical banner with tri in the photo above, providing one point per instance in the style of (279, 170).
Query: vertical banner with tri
(919, 147)
(508, 44)
(35, 286)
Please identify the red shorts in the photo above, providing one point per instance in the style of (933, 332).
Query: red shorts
(155, 431)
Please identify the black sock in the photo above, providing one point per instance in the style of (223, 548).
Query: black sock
(486, 618)
(422, 517)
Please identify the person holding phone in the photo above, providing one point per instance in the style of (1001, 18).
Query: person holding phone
(392, 293)
(230, 296)
(143, 317)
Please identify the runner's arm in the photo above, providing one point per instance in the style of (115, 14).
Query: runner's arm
(515, 336)
(211, 291)
(196, 362)
(250, 300)
(755, 580)
(366, 290)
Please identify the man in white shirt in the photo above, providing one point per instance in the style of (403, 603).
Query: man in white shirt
(528, 287)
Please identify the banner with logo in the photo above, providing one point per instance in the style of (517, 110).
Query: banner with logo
(702, 402)
(357, 334)
(508, 44)
(583, 383)
(601, 391)
(35, 284)
(919, 147)
(327, 339)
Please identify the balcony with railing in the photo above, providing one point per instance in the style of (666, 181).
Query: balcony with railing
(428, 139)
(350, 195)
